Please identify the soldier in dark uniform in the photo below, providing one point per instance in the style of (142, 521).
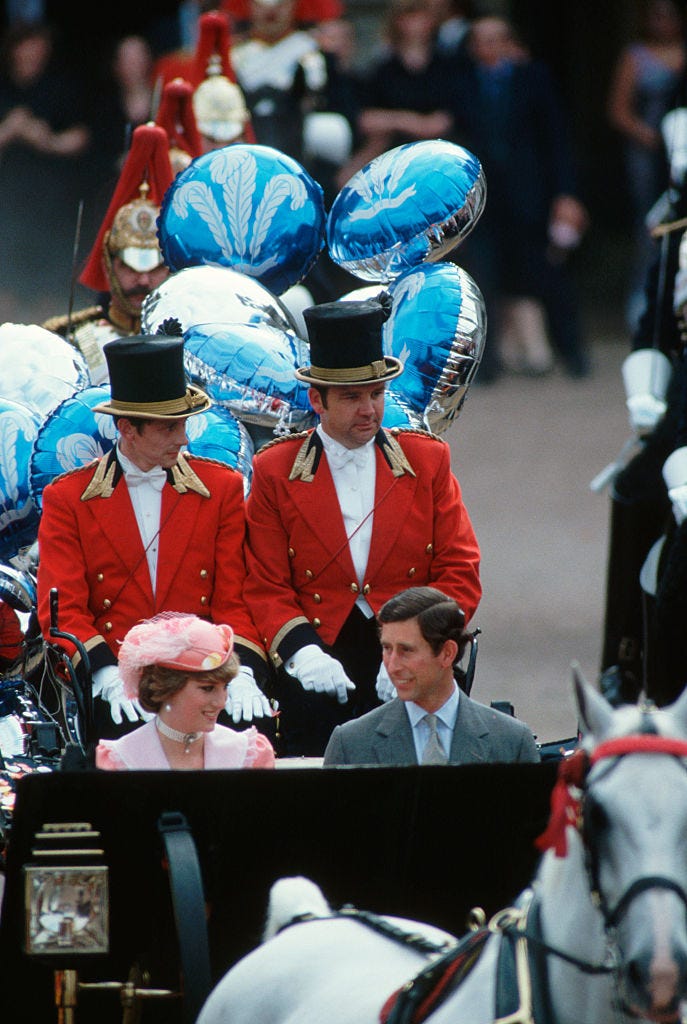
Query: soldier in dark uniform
(125, 262)
(642, 648)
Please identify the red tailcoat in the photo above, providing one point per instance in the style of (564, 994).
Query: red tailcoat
(301, 584)
(90, 549)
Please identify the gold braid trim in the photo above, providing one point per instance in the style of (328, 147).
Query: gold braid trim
(101, 485)
(94, 641)
(396, 457)
(250, 645)
(62, 322)
(302, 468)
(281, 439)
(300, 620)
(184, 479)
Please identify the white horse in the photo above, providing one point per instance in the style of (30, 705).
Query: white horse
(599, 937)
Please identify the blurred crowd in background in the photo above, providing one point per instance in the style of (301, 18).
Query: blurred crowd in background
(561, 107)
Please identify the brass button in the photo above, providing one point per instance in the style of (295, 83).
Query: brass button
(308, 574)
(108, 627)
(107, 603)
(292, 553)
(203, 599)
(411, 572)
(316, 598)
(429, 549)
(100, 577)
(354, 588)
(366, 589)
(316, 623)
(203, 574)
(275, 658)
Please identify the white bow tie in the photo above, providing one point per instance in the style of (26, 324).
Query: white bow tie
(156, 477)
(342, 457)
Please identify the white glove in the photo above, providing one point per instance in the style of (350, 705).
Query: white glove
(245, 699)
(678, 496)
(108, 685)
(316, 670)
(645, 412)
(674, 473)
(646, 373)
(384, 687)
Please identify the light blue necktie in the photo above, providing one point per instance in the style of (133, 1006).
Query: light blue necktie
(434, 753)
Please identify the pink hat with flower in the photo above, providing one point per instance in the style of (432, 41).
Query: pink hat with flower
(173, 640)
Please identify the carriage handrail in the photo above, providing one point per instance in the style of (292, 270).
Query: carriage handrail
(83, 692)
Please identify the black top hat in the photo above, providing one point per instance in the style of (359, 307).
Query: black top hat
(148, 381)
(346, 343)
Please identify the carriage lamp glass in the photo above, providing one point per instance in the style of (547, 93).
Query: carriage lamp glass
(67, 910)
(66, 893)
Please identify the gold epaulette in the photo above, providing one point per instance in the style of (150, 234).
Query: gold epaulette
(285, 437)
(71, 472)
(213, 462)
(101, 484)
(62, 323)
(414, 430)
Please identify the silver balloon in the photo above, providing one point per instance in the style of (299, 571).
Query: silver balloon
(250, 370)
(39, 369)
(437, 329)
(200, 295)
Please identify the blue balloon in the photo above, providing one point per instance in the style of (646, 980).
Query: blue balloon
(398, 413)
(217, 434)
(412, 204)
(248, 207)
(19, 516)
(249, 369)
(71, 436)
(437, 329)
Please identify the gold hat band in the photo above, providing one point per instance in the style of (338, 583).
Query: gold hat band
(191, 400)
(373, 371)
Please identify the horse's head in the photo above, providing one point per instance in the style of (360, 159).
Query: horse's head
(633, 821)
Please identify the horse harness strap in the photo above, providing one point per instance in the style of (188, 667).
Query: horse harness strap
(522, 994)
(522, 987)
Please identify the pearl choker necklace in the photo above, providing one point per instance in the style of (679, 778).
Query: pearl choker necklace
(187, 738)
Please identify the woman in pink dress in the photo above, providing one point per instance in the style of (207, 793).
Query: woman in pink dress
(178, 667)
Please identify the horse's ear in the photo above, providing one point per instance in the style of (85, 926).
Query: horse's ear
(593, 710)
(678, 709)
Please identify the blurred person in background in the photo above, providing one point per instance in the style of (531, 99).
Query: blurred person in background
(404, 96)
(121, 98)
(642, 90)
(508, 112)
(125, 262)
(43, 133)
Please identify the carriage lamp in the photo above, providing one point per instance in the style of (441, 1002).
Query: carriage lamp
(66, 893)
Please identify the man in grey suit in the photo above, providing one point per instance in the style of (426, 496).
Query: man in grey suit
(430, 721)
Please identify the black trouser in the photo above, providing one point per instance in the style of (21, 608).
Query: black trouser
(306, 718)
